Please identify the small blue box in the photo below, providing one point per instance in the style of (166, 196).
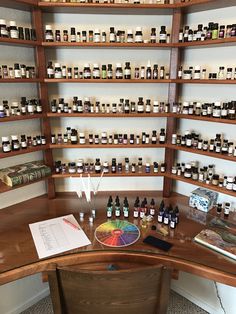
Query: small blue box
(203, 199)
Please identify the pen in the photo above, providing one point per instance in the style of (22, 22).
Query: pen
(71, 224)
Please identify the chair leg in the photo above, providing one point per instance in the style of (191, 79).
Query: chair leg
(162, 306)
(55, 292)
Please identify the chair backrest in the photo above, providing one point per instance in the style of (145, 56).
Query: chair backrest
(142, 290)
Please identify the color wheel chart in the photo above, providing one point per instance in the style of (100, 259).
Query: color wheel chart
(117, 233)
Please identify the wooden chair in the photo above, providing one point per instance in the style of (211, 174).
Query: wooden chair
(142, 290)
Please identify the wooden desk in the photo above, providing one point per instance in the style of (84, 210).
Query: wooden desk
(18, 257)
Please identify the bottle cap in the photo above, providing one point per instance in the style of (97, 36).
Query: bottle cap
(97, 31)
(156, 103)
(12, 23)
(86, 65)
(57, 65)
(48, 27)
(95, 65)
(86, 99)
(5, 139)
(14, 137)
(138, 29)
(118, 65)
(129, 31)
(197, 68)
(2, 22)
(81, 134)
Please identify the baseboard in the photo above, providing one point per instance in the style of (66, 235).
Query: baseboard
(24, 306)
(201, 303)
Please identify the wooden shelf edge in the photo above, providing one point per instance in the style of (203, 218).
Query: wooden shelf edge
(45, 5)
(107, 115)
(5, 188)
(107, 81)
(201, 118)
(201, 152)
(123, 174)
(182, 81)
(37, 80)
(206, 43)
(22, 117)
(105, 146)
(105, 45)
(201, 184)
(19, 42)
(24, 151)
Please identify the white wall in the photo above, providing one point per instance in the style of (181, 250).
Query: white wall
(198, 290)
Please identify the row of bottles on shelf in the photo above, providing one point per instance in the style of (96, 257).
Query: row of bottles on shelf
(124, 106)
(18, 71)
(117, 1)
(97, 167)
(16, 143)
(206, 174)
(211, 32)
(192, 139)
(104, 71)
(199, 73)
(25, 107)
(224, 110)
(11, 30)
(73, 137)
(102, 36)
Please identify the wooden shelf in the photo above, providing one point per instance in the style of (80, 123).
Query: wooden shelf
(36, 80)
(22, 117)
(23, 151)
(201, 152)
(19, 42)
(201, 118)
(202, 184)
(117, 174)
(105, 45)
(107, 8)
(207, 43)
(107, 81)
(108, 115)
(26, 5)
(204, 81)
(5, 188)
(94, 146)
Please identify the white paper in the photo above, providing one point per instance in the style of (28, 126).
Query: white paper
(54, 236)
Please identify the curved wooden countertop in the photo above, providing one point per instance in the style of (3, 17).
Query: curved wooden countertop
(18, 256)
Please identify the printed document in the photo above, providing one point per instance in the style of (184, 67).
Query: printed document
(57, 235)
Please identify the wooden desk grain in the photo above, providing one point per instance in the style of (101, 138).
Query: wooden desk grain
(18, 256)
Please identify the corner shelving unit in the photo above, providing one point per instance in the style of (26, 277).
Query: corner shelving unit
(178, 11)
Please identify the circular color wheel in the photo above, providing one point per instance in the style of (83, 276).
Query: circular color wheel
(117, 233)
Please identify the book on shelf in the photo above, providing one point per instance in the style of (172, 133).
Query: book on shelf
(220, 238)
(24, 173)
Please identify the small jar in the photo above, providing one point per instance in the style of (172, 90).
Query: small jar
(104, 138)
(6, 145)
(215, 179)
(119, 71)
(57, 71)
(87, 71)
(96, 71)
(13, 32)
(49, 33)
(106, 167)
(229, 184)
(71, 167)
(15, 144)
(187, 171)
(82, 140)
(80, 166)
